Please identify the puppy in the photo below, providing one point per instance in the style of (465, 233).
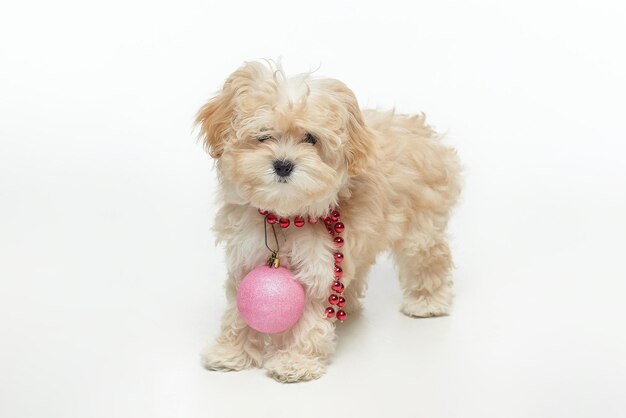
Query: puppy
(295, 147)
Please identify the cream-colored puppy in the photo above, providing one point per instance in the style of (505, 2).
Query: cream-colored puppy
(297, 146)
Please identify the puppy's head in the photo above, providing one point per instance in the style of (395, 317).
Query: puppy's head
(284, 144)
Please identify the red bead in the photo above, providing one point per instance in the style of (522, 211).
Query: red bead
(333, 299)
(298, 221)
(327, 221)
(341, 314)
(284, 222)
(271, 218)
(339, 242)
(337, 286)
(334, 216)
(338, 257)
(263, 212)
(338, 272)
(330, 312)
(330, 231)
(341, 302)
(340, 227)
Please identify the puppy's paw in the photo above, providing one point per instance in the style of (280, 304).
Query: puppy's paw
(226, 357)
(288, 367)
(421, 306)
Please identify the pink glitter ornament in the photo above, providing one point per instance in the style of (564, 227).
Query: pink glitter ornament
(270, 299)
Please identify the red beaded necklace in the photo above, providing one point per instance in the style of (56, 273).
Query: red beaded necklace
(335, 227)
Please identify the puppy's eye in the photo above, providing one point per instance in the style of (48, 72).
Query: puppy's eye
(310, 139)
(264, 137)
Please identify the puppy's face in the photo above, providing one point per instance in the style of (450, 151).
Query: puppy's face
(286, 145)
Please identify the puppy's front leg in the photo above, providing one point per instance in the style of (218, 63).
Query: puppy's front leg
(301, 353)
(238, 346)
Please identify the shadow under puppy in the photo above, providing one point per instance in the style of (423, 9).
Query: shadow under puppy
(295, 147)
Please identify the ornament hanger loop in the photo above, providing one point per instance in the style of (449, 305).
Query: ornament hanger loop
(272, 261)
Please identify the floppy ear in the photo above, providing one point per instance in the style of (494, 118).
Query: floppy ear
(216, 117)
(360, 137)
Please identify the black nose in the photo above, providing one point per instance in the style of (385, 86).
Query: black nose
(283, 167)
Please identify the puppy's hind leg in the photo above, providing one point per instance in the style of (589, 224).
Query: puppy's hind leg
(424, 263)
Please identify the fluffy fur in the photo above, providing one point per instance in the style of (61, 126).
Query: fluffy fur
(389, 174)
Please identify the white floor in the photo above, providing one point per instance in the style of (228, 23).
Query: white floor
(110, 284)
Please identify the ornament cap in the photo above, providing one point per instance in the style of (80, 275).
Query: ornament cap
(273, 260)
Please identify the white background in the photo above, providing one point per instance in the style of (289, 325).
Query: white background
(111, 284)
